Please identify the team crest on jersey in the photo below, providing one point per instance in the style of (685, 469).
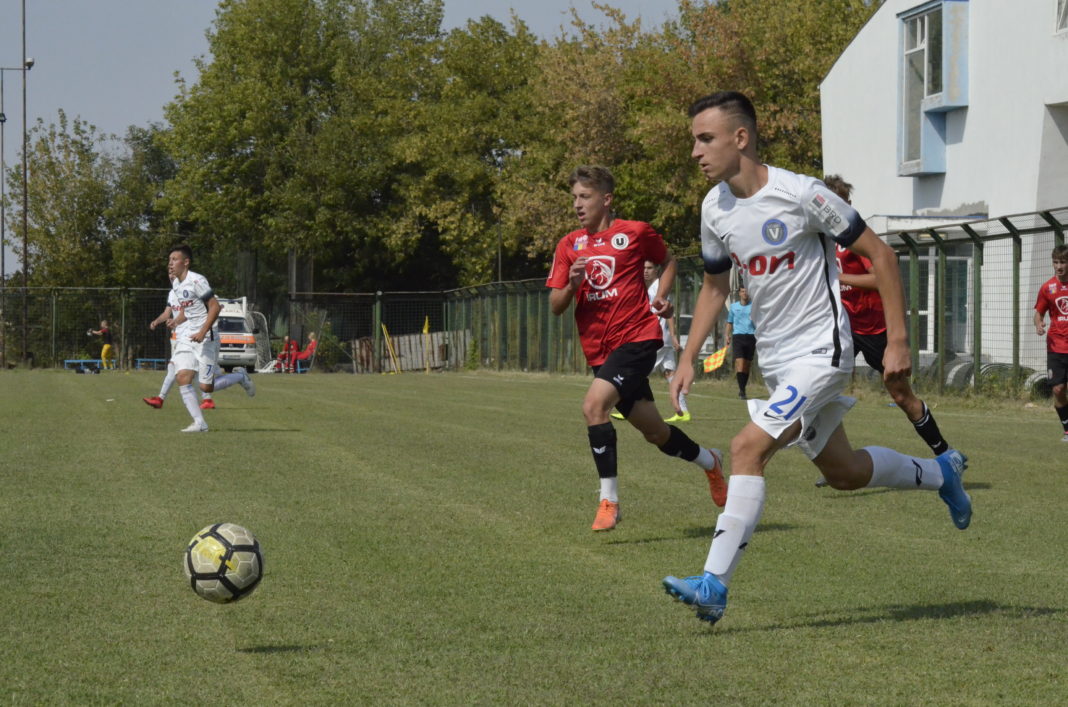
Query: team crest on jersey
(1053, 288)
(581, 242)
(600, 269)
(620, 241)
(774, 231)
(1062, 305)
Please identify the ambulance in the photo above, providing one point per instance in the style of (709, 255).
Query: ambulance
(237, 335)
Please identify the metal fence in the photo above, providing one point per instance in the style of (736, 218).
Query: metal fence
(970, 288)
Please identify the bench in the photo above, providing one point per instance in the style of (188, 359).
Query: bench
(82, 363)
(150, 363)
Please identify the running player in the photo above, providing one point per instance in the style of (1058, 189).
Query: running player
(868, 330)
(781, 227)
(1053, 298)
(600, 267)
(156, 401)
(192, 316)
(666, 359)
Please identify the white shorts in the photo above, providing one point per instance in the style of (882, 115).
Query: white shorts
(806, 389)
(191, 356)
(665, 359)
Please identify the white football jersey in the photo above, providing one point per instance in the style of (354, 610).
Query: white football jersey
(782, 239)
(191, 295)
(665, 331)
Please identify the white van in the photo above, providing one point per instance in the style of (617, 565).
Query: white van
(237, 335)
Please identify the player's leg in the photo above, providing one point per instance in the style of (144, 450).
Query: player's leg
(750, 451)
(873, 346)
(600, 398)
(847, 469)
(666, 361)
(185, 362)
(1057, 365)
(168, 381)
(670, 440)
(240, 377)
(743, 347)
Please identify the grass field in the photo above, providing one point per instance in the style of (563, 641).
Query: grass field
(427, 541)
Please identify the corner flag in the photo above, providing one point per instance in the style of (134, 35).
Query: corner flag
(715, 360)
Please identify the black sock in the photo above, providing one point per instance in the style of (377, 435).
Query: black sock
(1062, 413)
(927, 428)
(603, 446)
(743, 380)
(680, 445)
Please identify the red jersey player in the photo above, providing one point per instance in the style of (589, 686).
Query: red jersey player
(1053, 298)
(600, 266)
(865, 307)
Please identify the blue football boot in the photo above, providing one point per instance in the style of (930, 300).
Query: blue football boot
(953, 464)
(705, 593)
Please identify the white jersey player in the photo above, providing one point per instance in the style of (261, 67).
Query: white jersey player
(781, 228)
(191, 313)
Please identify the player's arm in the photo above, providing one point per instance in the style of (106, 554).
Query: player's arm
(1040, 323)
(865, 281)
(710, 301)
(213, 313)
(167, 313)
(560, 297)
(661, 304)
(674, 333)
(896, 361)
(730, 331)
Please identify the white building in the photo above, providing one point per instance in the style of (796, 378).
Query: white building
(948, 110)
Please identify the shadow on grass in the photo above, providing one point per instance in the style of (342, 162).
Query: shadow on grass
(700, 531)
(863, 493)
(871, 615)
(282, 649)
(254, 429)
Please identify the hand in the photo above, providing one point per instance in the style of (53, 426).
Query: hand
(1040, 329)
(172, 323)
(577, 273)
(663, 307)
(198, 337)
(675, 343)
(681, 381)
(897, 362)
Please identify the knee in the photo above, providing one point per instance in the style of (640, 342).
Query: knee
(594, 411)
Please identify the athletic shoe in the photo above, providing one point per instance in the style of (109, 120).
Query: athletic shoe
(607, 515)
(743, 396)
(207, 404)
(196, 427)
(155, 402)
(821, 482)
(246, 382)
(716, 484)
(1065, 437)
(617, 416)
(704, 593)
(684, 417)
(953, 464)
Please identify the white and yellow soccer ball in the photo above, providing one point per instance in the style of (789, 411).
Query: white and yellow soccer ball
(223, 563)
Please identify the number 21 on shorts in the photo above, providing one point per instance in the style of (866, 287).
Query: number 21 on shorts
(779, 406)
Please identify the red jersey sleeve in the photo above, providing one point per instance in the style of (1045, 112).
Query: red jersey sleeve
(653, 246)
(1042, 304)
(563, 258)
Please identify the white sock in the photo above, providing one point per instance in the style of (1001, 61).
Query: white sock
(190, 399)
(895, 470)
(735, 526)
(168, 380)
(610, 489)
(225, 381)
(704, 459)
(205, 395)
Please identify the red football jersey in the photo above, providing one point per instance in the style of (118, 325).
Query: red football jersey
(611, 305)
(1053, 298)
(865, 307)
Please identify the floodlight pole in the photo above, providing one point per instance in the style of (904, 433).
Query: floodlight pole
(27, 64)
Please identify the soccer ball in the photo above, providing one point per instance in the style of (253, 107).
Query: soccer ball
(223, 563)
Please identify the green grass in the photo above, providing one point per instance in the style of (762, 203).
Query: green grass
(427, 540)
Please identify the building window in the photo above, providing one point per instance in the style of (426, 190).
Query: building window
(923, 73)
(934, 81)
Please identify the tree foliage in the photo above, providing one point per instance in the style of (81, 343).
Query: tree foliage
(358, 134)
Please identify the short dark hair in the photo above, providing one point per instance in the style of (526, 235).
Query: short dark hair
(1061, 253)
(838, 185)
(593, 175)
(184, 250)
(733, 103)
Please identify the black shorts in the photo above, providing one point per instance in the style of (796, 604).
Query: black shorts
(873, 346)
(743, 346)
(1057, 365)
(628, 369)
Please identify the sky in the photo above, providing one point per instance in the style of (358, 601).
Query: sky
(112, 62)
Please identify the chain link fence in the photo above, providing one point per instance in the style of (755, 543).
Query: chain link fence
(970, 289)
